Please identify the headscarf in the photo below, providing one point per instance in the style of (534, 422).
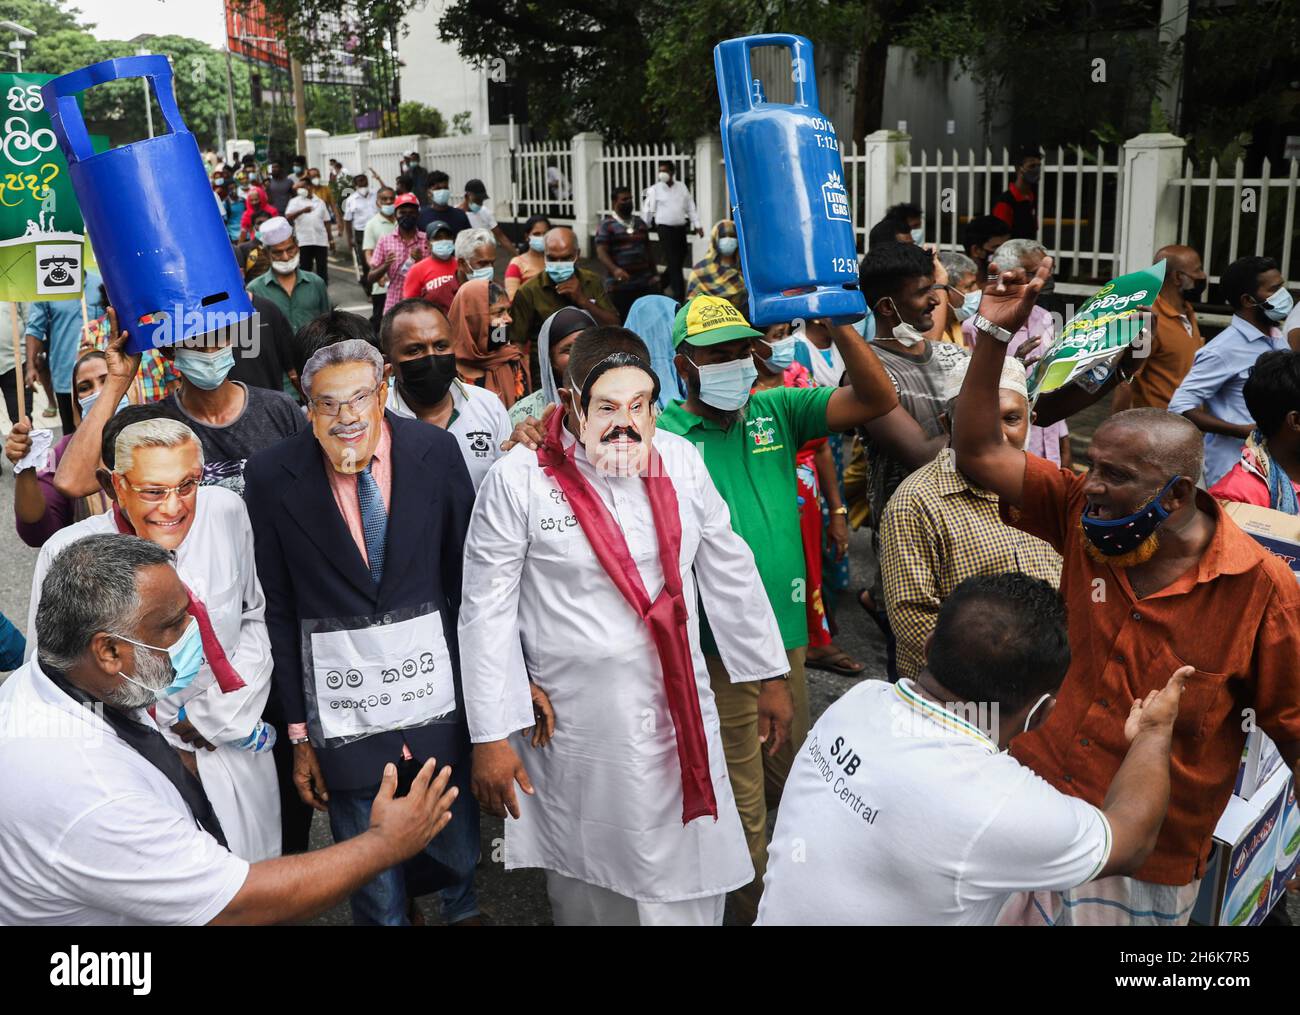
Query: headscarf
(471, 324)
(1257, 459)
(651, 319)
(713, 278)
(563, 322)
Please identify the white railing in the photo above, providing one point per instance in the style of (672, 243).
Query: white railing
(347, 148)
(543, 182)
(1258, 215)
(384, 156)
(461, 158)
(636, 166)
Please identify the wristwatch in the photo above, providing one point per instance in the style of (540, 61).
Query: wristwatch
(295, 741)
(841, 510)
(983, 325)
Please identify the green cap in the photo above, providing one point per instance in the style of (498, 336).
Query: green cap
(710, 320)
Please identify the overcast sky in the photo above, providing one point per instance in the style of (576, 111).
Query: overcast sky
(125, 19)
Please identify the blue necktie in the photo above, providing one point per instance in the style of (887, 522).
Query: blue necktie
(374, 521)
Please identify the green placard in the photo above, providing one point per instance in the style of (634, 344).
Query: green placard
(1096, 337)
(43, 249)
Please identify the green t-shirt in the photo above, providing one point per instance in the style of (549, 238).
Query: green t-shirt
(753, 466)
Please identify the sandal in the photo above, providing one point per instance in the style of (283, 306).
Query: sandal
(838, 661)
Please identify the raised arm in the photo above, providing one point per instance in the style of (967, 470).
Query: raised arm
(982, 454)
(75, 476)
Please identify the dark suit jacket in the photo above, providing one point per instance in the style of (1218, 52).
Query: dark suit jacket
(310, 569)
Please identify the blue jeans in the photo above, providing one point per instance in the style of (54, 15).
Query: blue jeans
(448, 861)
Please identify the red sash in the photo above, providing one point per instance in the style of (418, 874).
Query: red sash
(227, 679)
(666, 617)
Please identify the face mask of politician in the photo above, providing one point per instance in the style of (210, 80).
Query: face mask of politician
(347, 413)
(617, 427)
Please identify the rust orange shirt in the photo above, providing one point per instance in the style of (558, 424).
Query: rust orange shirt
(1172, 351)
(1235, 617)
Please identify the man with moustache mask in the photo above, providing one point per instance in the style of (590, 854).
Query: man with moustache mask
(211, 708)
(416, 339)
(1155, 576)
(359, 526)
(582, 563)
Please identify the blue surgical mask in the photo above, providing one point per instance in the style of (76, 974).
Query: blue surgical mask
(918, 235)
(480, 273)
(90, 400)
(1114, 537)
(782, 355)
(727, 245)
(560, 271)
(443, 249)
(970, 303)
(725, 386)
(475, 208)
(441, 196)
(206, 370)
(186, 656)
(1277, 306)
(387, 210)
(537, 244)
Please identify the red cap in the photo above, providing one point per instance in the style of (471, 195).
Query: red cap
(406, 199)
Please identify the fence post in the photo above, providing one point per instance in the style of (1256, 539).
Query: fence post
(886, 157)
(1148, 207)
(495, 155)
(710, 190)
(315, 139)
(363, 159)
(588, 148)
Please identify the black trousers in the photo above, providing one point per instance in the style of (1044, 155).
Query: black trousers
(316, 258)
(624, 295)
(9, 386)
(377, 301)
(363, 266)
(65, 411)
(672, 240)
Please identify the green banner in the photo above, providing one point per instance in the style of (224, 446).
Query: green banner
(43, 249)
(1094, 339)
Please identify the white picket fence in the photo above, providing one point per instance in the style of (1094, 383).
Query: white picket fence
(1102, 211)
(1261, 214)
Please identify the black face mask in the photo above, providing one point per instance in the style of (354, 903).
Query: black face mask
(406, 223)
(1192, 293)
(426, 380)
(624, 209)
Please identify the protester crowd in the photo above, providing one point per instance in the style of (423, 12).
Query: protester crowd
(561, 546)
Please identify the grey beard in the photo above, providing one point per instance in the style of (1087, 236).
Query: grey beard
(150, 670)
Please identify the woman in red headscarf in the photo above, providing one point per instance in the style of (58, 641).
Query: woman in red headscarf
(485, 356)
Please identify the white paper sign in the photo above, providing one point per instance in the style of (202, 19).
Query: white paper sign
(386, 677)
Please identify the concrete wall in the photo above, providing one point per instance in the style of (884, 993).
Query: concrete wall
(435, 74)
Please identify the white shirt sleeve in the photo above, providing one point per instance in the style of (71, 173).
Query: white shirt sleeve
(494, 678)
(134, 855)
(1039, 839)
(749, 639)
(225, 718)
(689, 202)
(488, 219)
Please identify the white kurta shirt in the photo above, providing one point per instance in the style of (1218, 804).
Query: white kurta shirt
(309, 227)
(537, 602)
(216, 562)
(480, 426)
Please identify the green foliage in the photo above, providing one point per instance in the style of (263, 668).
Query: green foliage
(44, 17)
(461, 123)
(417, 118)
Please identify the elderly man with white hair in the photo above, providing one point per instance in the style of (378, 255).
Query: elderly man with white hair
(1051, 442)
(939, 529)
(476, 254)
(212, 714)
(359, 526)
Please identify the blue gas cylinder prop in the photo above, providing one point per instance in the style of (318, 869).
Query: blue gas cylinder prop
(162, 248)
(788, 197)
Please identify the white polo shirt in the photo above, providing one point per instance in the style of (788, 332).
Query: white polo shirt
(897, 811)
(90, 831)
(479, 423)
(481, 219)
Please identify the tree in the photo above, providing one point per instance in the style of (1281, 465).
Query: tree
(417, 118)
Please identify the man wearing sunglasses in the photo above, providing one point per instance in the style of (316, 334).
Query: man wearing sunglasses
(210, 712)
(360, 528)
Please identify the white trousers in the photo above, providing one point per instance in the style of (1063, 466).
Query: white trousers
(1115, 901)
(575, 903)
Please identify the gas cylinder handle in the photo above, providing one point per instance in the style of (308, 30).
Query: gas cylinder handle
(802, 70)
(731, 60)
(61, 95)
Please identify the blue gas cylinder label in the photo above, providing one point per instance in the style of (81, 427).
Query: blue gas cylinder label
(836, 198)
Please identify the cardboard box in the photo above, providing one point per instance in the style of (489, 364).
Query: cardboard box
(1275, 531)
(1288, 844)
(1259, 760)
(1239, 887)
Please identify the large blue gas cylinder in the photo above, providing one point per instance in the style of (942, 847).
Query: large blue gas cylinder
(162, 248)
(788, 195)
